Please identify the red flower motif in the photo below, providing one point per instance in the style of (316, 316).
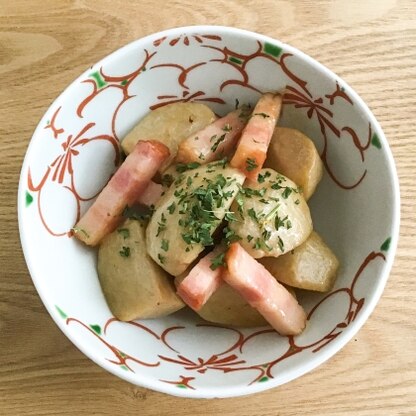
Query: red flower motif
(339, 92)
(186, 40)
(63, 163)
(51, 125)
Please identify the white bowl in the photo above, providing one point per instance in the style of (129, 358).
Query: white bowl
(73, 152)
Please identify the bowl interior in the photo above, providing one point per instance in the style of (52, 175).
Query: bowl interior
(74, 151)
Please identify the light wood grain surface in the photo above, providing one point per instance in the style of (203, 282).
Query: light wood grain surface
(44, 45)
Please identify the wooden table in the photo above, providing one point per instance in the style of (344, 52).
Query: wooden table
(44, 45)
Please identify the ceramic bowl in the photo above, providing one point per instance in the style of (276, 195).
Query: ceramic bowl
(74, 150)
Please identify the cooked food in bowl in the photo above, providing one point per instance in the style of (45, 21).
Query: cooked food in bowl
(191, 217)
(214, 347)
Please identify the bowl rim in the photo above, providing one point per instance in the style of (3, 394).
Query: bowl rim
(315, 360)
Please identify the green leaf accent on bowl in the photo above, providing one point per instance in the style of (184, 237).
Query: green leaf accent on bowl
(386, 245)
(181, 386)
(124, 367)
(263, 379)
(96, 329)
(273, 50)
(235, 60)
(29, 198)
(375, 141)
(98, 79)
(124, 82)
(61, 312)
(122, 354)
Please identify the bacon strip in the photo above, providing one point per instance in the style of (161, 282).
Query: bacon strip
(255, 139)
(214, 141)
(262, 291)
(123, 189)
(151, 194)
(201, 282)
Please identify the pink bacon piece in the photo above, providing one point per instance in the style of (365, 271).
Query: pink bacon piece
(263, 292)
(123, 189)
(215, 140)
(201, 282)
(255, 139)
(151, 194)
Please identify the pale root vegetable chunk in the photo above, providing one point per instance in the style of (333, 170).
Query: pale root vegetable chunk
(255, 139)
(227, 307)
(272, 215)
(123, 189)
(294, 155)
(262, 291)
(151, 194)
(203, 280)
(215, 140)
(186, 217)
(311, 266)
(133, 285)
(171, 123)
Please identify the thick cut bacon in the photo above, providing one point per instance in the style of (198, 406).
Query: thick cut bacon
(214, 141)
(151, 194)
(255, 139)
(198, 286)
(123, 189)
(262, 291)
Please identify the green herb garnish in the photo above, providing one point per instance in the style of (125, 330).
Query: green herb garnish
(245, 112)
(258, 244)
(261, 244)
(183, 167)
(125, 251)
(230, 217)
(264, 115)
(142, 214)
(124, 232)
(230, 236)
(281, 244)
(161, 225)
(80, 230)
(167, 180)
(266, 234)
(239, 199)
(278, 222)
(214, 147)
(272, 212)
(286, 193)
(171, 208)
(199, 207)
(217, 261)
(165, 245)
(263, 176)
(252, 214)
(251, 164)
